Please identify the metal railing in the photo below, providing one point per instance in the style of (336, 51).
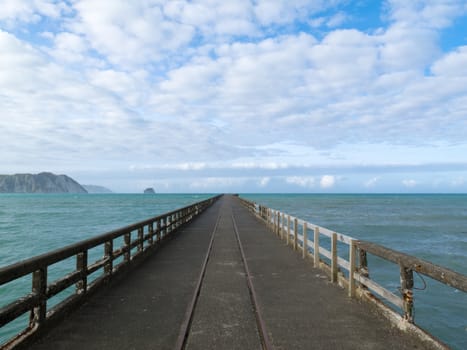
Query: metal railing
(138, 239)
(305, 236)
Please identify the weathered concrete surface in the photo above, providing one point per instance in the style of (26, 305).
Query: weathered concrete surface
(145, 309)
(301, 309)
(224, 317)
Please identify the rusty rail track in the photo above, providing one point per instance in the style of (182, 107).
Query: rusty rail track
(186, 324)
(265, 341)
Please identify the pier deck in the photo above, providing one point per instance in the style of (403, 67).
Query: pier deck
(297, 306)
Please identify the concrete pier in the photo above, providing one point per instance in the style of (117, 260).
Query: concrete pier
(300, 308)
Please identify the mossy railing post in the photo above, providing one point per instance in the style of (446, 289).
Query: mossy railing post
(281, 227)
(363, 266)
(158, 230)
(295, 234)
(151, 233)
(127, 247)
(305, 240)
(334, 266)
(271, 220)
(316, 247)
(278, 223)
(140, 239)
(108, 253)
(352, 267)
(275, 222)
(82, 267)
(406, 275)
(39, 289)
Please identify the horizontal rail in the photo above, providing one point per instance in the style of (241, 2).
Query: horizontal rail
(355, 260)
(439, 273)
(137, 239)
(394, 299)
(28, 266)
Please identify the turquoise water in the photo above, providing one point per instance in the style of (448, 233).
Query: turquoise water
(432, 227)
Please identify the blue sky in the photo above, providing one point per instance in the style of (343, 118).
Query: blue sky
(237, 96)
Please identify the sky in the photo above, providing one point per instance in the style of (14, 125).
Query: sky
(313, 96)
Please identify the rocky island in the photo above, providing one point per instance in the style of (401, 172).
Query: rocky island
(149, 190)
(39, 183)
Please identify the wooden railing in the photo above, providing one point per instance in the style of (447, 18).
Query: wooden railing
(305, 237)
(138, 240)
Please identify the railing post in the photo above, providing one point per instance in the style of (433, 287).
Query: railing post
(352, 267)
(288, 230)
(274, 221)
(316, 247)
(82, 267)
(271, 218)
(108, 253)
(407, 292)
(305, 240)
(282, 225)
(140, 239)
(363, 265)
(158, 230)
(295, 233)
(39, 288)
(151, 233)
(279, 217)
(334, 257)
(279, 214)
(127, 242)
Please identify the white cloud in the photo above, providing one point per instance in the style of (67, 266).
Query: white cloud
(371, 182)
(405, 47)
(128, 33)
(409, 183)
(264, 181)
(229, 87)
(286, 11)
(458, 182)
(259, 165)
(327, 181)
(337, 20)
(453, 64)
(30, 11)
(302, 181)
(216, 183)
(427, 13)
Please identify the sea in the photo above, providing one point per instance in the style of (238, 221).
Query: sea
(429, 226)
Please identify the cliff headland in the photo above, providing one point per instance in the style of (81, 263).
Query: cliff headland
(39, 183)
